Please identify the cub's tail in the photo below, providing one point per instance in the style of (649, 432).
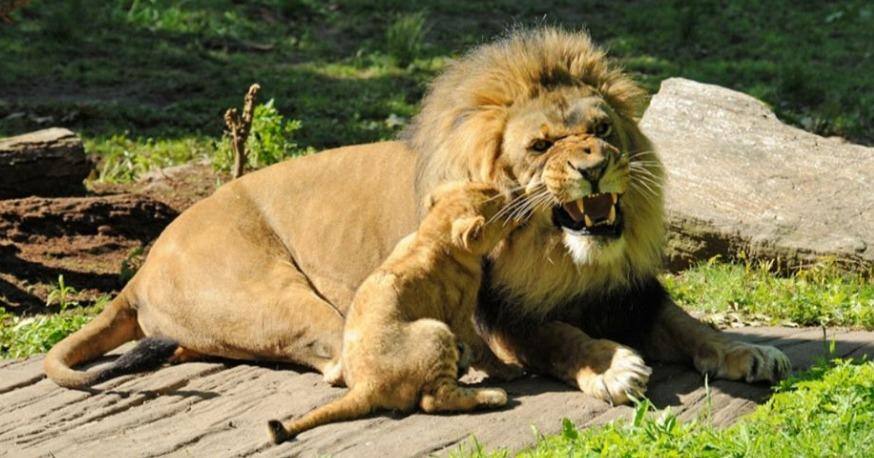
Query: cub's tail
(354, 404)
(114, 326)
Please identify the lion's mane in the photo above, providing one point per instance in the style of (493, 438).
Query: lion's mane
(459, 132)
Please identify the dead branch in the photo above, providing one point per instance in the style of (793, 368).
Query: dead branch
(240, 127)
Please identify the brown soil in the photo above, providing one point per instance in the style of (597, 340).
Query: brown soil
(95, 242)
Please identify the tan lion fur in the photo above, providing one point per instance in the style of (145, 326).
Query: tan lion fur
(266, 267)
(403, 330)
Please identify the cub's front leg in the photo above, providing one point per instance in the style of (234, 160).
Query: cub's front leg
(678, 337)
(599, 367)
(481, 357)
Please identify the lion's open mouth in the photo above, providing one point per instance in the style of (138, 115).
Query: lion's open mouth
(597, 214)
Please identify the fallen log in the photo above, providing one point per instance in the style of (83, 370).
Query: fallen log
(48, 163)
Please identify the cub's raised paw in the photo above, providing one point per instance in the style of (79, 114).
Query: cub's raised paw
(626, 377)
(743, 361)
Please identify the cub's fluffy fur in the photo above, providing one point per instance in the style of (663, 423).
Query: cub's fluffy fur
(411, 317)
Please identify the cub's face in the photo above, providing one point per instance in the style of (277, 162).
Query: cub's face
(579, 170)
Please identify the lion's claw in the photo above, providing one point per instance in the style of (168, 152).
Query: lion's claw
(626, 378)
(743, 361)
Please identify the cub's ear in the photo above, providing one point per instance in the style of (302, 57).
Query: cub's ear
(467, 230)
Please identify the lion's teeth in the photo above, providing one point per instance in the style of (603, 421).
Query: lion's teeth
(588, 220)
(581, 206)
(615, 197)
(611, 218)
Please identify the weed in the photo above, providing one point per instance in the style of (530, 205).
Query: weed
(271, 140)
(62, 295)
(123, 159)
(405, 37)
(131, 264)
(25, 336)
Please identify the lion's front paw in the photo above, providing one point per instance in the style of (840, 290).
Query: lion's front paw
(743, 361)
(626, 377)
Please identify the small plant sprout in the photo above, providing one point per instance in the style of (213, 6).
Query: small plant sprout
(61, 294)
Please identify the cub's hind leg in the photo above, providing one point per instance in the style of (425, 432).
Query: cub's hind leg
(447, 396)
(439, 350)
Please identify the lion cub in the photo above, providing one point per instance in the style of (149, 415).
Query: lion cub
(410, 319)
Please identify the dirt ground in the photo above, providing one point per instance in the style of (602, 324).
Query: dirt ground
(95, 241)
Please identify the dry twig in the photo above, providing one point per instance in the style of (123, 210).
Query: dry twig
(240, 127)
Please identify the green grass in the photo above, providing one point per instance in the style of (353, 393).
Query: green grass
(749, 293)
(24, 336)
(826, 411)
(160, 73)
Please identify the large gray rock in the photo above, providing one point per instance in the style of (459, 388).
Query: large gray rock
(739, 179)
(49, 162)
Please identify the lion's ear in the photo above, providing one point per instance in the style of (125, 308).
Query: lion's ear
(467, 230)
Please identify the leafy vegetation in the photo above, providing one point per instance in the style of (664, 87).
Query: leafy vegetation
(270, 140)
(22, 336)
(748, 292)
(826, 411)
(405, 38)
(147, 81)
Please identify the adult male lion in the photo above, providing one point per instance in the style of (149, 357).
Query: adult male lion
(266, 267)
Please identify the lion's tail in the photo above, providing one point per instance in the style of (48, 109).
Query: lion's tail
(114, 326)
(354, 404)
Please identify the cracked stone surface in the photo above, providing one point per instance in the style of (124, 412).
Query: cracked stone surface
(739, 178)
(221, 408)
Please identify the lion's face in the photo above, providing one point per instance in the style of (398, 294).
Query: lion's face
(569, 152)
(544, 115)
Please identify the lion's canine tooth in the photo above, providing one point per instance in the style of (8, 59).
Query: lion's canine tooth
(615, 197)
(588, 220)
(611, 218)
(581, 206)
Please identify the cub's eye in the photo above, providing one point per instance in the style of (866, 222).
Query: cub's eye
(603, 129)
(541, 145)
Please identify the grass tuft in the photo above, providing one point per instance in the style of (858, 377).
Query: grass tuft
(405, 38)
(730, 294)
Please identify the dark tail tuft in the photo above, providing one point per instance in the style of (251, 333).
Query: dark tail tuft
(277, 431)
(149, 354)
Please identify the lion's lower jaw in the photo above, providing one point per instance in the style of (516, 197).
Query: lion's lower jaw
(586, 250)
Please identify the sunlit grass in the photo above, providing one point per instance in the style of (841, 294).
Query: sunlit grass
(748, 292)
(826, 411)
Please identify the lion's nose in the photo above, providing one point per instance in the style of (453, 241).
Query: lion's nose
(593, 172)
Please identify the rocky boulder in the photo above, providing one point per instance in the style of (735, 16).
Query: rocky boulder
(739, 179)
(49, 162)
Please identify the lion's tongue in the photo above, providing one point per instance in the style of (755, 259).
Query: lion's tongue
(594, 210)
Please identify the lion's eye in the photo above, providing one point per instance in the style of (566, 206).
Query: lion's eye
(541, 145)
(603, 129)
